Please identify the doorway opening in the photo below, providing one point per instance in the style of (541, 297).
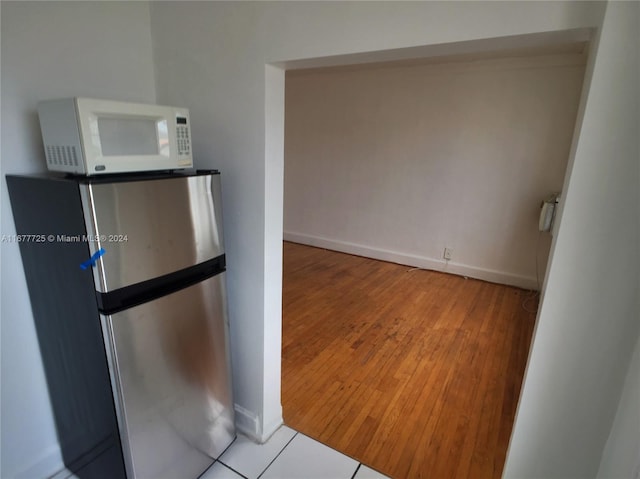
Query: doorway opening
(403, 366)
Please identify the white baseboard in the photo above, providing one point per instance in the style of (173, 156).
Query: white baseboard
(48, 464)
(415, 261)
(248, 424)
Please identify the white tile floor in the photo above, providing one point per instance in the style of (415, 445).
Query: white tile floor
(287, 455)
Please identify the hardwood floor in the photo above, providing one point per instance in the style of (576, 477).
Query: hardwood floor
(413, 372)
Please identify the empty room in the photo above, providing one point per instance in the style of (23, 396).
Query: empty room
(413, 252)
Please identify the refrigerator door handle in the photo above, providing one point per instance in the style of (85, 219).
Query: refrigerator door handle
(129, 296)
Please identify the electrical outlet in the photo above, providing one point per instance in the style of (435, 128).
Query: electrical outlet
(447, 253)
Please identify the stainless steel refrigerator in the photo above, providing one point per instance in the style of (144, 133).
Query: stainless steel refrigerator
(126, 277)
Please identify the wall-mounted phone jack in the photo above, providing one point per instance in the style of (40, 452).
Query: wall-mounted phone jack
(447, 253)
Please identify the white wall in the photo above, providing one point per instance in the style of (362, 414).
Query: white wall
(621, 457)
(216, 67)
(399, 161)
(589, 320)
(49, 50)
(211, 57)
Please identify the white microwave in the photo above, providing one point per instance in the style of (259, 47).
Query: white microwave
(86, 136)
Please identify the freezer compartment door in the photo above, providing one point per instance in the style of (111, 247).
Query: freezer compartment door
(150, 228)
(170, 373)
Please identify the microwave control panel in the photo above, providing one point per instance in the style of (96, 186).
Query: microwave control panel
(182, 132)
